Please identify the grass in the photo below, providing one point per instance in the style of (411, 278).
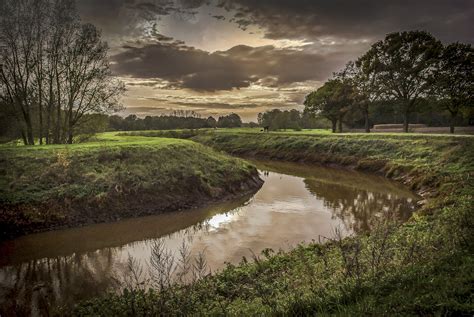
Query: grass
(45, 187)
(422, 267)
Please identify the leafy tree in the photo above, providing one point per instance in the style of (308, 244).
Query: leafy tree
(333, 101)
(402, 66)
(454, 80)
(366, 89)
(211, 122)
(230, 121)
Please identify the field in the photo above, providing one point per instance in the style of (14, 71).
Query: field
(54, 186)
(422, 267)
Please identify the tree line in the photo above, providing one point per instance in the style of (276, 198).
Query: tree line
(54, 71)
(176, 120)
(405, 71)
(277, 119)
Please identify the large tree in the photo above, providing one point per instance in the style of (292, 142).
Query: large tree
(365, 87)
(333, 101)
(454, 80)
(18, 42)
(403, 66)
(54, 69)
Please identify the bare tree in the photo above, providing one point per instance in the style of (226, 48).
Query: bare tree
(18, 41)
(53, 67)
(88, 84)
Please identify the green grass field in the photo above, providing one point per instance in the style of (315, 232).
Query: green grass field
(422, 267)
(45, 187)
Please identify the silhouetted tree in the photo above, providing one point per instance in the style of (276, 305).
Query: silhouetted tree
(454, 79)
(333, 101)
(230, 121)
(53, 66)
(402, 66)
(364, 83)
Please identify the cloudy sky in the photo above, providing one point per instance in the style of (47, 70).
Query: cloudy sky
(246, 56)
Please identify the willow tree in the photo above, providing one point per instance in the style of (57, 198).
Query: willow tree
(402, 66)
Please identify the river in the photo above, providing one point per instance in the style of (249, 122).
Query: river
(297, 203)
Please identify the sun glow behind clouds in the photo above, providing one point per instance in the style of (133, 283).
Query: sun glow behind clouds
(247, 56)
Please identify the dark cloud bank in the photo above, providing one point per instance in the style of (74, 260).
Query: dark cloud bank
(238, 67)
(349, 25)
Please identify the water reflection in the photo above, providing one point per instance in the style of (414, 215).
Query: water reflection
(296, 203)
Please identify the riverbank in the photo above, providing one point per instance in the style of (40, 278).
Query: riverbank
(422, 267)
(50, 187)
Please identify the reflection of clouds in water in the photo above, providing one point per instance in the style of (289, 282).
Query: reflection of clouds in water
(287, 210)
(219, 220)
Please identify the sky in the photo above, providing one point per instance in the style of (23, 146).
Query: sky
(216, 57)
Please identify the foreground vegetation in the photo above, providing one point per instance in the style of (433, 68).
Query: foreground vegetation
(43, 188)
(422, 267)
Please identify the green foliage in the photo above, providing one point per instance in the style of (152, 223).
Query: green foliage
(454, 80)
(332, 101)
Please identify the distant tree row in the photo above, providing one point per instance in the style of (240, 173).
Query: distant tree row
(289, 119)
(405, 71)
(54, 71)
(176, 120)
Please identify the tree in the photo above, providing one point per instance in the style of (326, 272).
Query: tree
(88, 84)
(18, 41)
(402, 66)
(53, 67)
(230, 121)
(366, 90)
(211, 122)
(333, 100)
(454, 80)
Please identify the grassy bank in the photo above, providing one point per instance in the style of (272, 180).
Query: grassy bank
(48, 187)
(422, 267)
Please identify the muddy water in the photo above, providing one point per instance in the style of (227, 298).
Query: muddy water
(296, 203)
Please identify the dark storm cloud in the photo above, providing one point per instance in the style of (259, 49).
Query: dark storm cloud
(339, 29)
(450, 20)
(238, 67)
(124, 17)
(217, 105)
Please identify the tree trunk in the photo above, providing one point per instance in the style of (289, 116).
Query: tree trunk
(40, 116)
(406, 119)
(366, 118)
(69, 137)
(49, 111)
(48, 124)
(23, 136)
(57, 133)
(339, 126)
(70, 127)
(29, 131)
(452, 122)
(334, 124)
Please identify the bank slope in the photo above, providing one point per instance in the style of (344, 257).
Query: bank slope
(49, 187)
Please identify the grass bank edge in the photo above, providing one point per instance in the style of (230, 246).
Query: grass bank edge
(50, 187)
